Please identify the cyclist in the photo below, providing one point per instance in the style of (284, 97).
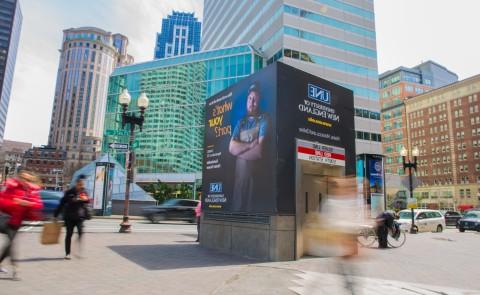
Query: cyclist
(385, 222)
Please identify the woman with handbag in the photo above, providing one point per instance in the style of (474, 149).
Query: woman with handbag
(18, 202)
(74, 206)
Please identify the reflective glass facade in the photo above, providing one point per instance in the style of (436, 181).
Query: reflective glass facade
(332, 39)
(10, 26)
(172, 136)
(180, 35)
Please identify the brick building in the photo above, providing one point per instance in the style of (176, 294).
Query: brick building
(48, 163)
(11, 157)
(395, 87)
(445, 125)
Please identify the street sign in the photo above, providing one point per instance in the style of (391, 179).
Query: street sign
(415, 182)
(116, 132)
(412, 203)
(118, 146)
(135, 144)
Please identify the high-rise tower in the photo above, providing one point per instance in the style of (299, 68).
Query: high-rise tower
(180, 35)
(332, 39)
(10, 25)
(87, 58)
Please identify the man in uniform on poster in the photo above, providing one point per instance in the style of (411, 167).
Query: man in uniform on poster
(247, 145)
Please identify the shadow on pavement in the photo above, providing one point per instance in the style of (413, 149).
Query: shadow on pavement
(166, 222)
(33, 259)
(175, 256)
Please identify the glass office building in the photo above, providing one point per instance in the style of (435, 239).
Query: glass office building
(172, 136)
(331, 39)
(180, 35)
(10, 26)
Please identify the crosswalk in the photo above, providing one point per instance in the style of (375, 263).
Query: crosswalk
(313, 283)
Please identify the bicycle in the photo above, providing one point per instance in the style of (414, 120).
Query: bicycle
(395, 239)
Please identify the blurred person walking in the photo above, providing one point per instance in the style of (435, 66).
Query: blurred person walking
(333, 229)
(74, 208)
(198, 214)
(19, 201)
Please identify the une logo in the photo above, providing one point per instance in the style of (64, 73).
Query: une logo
(216, 187)
(318, 93)
(378, 166)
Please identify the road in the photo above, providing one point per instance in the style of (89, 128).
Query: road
(164, 259)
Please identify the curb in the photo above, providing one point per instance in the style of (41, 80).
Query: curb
(118, 217)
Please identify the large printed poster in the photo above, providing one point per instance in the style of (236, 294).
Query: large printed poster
(239, 152)
(251, 131)
(375, 179)
(99, 185)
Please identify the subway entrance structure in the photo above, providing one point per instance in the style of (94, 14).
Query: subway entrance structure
(271, 143)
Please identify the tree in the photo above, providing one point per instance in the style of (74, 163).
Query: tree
(159, 191)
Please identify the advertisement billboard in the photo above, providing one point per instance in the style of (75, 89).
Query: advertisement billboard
(315, 110)
(376, 185)
(99, 185)
(371, 171)
(251, 130)
(239, 154)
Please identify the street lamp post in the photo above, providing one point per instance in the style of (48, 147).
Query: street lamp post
(142, 103)
(409, 165)
(57, 171)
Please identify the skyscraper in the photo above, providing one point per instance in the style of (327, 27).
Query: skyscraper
(395, 87)
(10, 25)
(180, 35)
(87, 58)
(332, 39)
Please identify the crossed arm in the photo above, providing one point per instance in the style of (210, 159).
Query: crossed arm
(247, 151)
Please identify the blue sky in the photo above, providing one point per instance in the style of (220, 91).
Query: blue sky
(408, 32)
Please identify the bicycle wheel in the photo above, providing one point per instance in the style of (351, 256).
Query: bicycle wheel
(396, 241)
(366, 237)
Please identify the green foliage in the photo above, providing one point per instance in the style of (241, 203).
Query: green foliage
(161, 191)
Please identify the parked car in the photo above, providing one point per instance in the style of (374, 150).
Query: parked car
(51, 200)
(452, 218)
(470, 221)
(425, 220)
(173, 209)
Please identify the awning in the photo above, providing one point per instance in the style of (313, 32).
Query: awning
(463, 207)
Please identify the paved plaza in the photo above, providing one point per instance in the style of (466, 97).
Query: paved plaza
(164, 259)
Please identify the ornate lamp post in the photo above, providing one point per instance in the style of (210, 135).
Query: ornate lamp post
(142, 103)
(409, 165)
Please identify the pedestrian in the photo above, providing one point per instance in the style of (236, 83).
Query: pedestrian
(74, 206)
(198, 214)
(19, 201)
(385, 222)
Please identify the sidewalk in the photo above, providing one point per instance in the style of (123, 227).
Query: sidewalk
(172, 263)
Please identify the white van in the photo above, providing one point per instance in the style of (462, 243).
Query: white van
(425, 220)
